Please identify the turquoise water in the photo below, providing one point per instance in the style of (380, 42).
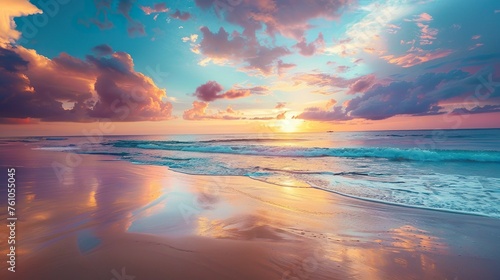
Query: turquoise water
(450, 170)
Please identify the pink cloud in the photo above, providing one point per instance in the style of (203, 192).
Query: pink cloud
(476, 46)
(212, 90)
(181, 15)
(155, 9)
(280, 105)
(70, 89)
(200, 111)
(309, 49)
(342, 68)
(393, 29)
(416, 56)
(289, 18)
(330, 103)
(423, 17)
(223, 48)
(475, 37)
(427, 34)
(282, 67)
(361, 84)
(281, 116)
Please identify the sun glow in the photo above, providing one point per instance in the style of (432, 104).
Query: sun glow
(289, 125)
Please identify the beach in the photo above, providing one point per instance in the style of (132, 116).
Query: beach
(111, 219)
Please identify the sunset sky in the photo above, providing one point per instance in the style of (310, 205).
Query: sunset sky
(233, 66)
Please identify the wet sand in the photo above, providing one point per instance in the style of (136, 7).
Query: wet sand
(104, 218)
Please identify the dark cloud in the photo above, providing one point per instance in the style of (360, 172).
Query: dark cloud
(102, 50)
(212, 90)
(419, 97)
(69, 89)
(362, 84)
(11, 61)
(477, 110)
(181, 15)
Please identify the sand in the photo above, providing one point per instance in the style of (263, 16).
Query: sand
(111, 219)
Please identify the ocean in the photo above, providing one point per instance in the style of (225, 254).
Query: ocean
(446, 170)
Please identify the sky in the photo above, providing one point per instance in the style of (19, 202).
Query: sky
(72, 67)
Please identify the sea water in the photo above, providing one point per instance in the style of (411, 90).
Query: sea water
(449, 170)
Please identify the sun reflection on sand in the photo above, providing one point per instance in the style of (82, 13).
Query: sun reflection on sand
(405, 248)
(413, 239)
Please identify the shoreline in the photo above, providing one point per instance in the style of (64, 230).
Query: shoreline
(230, 227)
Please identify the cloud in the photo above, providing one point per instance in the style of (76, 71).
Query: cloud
(10, 61)
(135, 28)
(181, 15)
(475, 46)
(212, 90)
(102, 50)
(365, 35)
(423, 17)
(427, 34)
(475, 37)
(200, 111)
(192, 38)
(419, 97)
(222, 48)
(477, 110)
(101, 20)
(282, 67)
(330, 103)
(18, 121)
(310, 49)
(289, 18)
(322, 80)
(281, 116)
(318, 114)
(10, 10)
(416, 56)
(66, 88)
(342, 69)
(280, 105)
(362, 84)
(155, 9)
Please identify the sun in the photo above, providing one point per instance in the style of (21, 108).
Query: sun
(289, 125)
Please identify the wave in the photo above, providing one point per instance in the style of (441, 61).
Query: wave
(235, 140)
(397, 154)
(58, 149)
